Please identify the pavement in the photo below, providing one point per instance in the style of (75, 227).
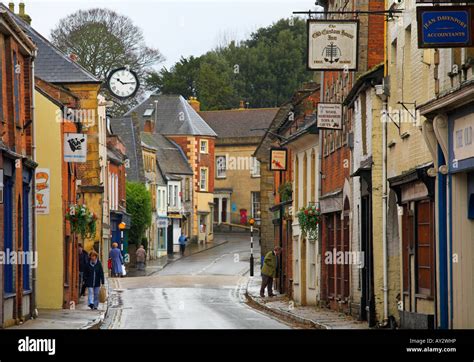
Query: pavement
(80, 316)
(283, 308)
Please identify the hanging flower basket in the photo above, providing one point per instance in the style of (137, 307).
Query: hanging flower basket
(309, 219)
(82, 221)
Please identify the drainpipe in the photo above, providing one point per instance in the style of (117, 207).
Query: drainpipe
(33, 309)
(384, 220)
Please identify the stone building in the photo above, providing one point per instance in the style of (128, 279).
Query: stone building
(237, 176)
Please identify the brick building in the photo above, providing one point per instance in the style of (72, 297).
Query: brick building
(173, 117)
(336, 184)
(17, 53)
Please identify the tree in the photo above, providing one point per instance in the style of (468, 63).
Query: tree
(103, 40)
(139, 207)
(263, 70)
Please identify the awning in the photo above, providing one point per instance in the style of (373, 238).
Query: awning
(175, 216)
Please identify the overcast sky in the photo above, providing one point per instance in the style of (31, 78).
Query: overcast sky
(176, 27)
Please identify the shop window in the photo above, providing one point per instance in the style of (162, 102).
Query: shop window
(425, 247)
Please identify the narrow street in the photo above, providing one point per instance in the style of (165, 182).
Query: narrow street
(201, 291)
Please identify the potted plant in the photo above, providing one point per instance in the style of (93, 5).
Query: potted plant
(309, 219)
(286, 191)
(82, 220)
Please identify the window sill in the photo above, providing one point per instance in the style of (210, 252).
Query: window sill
(423, 296)
(9, 295)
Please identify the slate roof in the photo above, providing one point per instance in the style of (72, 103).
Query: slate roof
(174, 116)
(123, 127)
(171, 158)
(51, 64)
(239, 122)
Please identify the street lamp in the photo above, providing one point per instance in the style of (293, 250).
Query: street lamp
(251, 222)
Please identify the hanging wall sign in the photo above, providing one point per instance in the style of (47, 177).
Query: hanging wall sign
(330, 115)
(75, 147)
(278, 159)
(333, 44)
(445, 26)
(42, 185)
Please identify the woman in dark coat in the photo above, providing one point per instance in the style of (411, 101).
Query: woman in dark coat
(117, 260)
(93, 279)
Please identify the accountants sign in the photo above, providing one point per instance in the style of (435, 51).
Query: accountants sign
(445, 26)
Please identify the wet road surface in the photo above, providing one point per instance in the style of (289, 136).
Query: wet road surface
(201, 291)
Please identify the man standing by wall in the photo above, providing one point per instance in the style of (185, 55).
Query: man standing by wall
(269, 271)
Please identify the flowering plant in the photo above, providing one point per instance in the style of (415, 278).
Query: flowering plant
(309, 218)
(82, 220)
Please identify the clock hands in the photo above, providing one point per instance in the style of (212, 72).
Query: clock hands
(125, 83)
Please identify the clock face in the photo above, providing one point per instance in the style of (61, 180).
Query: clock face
(123, 83)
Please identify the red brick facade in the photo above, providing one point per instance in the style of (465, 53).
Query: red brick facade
(16, 129)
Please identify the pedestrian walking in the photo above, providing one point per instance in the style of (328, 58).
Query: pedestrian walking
(93, 278)
(83, 260)
(269, 271)
(182, 243)
(141, 257)
(115, 255)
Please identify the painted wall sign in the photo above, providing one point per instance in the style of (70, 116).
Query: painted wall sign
(42, 182)
(75, 147)
(333, 44)
(461, 141)
(329, 115)
(278, 159)
(445, 26)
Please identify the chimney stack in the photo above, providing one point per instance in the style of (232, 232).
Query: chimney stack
(193, 102)
(11, 6)
(149, 126)
(22, 13)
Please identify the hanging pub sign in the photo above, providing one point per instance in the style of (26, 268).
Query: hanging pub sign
(333, 44)
(75, 147)
(445, 26)
(329, 116)
(278, 159)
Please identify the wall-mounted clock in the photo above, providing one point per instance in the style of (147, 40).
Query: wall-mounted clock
(123, 83)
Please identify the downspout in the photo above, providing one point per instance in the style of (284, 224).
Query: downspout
(384, 221)
(33, 309)
(384, 191)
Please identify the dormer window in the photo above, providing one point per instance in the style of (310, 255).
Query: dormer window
(148, 112)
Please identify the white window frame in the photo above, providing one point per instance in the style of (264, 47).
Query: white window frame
(206, 143)
(206, 178)
(254, 214)
(220, 174)
(255, 172)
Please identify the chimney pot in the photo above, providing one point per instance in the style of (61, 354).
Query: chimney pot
(22, 8)
(193, 102)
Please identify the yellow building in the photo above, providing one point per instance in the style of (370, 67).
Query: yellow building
(410, 200)
(57, 275)
(237, 172)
